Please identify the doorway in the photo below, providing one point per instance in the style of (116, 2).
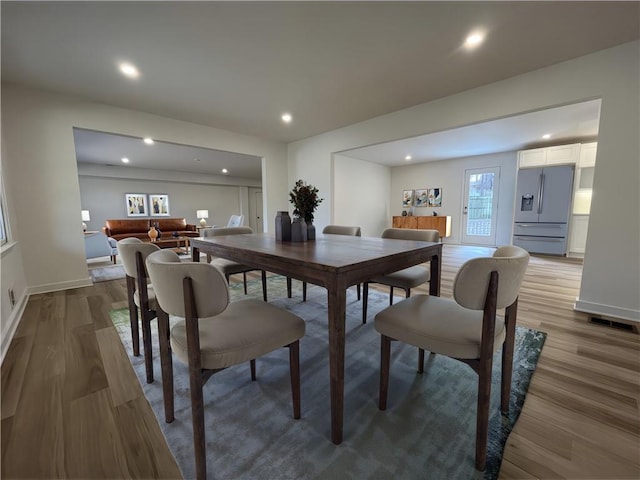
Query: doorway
(480, 206)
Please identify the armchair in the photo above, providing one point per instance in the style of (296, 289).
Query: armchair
(97, 244)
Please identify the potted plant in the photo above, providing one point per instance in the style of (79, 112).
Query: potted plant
(305, 200)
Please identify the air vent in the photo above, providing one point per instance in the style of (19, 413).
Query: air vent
(613, 324)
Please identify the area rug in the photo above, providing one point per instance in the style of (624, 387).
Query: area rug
(427, 431)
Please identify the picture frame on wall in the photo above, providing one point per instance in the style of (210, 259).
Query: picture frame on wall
(434, 198)
(136, 204)
(159, 204)
(407, 198)
(421, 197)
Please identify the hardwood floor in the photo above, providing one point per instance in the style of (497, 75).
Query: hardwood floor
(72, 407)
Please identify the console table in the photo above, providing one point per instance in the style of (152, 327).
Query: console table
(425, 222)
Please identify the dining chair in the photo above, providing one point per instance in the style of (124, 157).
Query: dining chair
(231, 267)
(214, 333)
(407, 278)
(464, 328)
(140, 295)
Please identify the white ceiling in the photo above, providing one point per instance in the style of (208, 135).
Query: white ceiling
(239, 65)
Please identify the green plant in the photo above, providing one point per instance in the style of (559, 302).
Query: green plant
(305, 200)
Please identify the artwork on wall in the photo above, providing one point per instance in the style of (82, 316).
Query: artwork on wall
(159, 204)
(434, 198)
(421, 197)
(407, 198)
(136, 204)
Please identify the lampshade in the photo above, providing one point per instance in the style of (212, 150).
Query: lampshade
(202, 214)
(85, 218)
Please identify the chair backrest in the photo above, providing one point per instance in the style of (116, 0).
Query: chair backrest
(472, 280)
(342, 230)
(412, 234)
(167, 273)
(127, 249)
(235, 221)
(221, 231)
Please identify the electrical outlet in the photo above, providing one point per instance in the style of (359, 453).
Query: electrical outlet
(12, 298)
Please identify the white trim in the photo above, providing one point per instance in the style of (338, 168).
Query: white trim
(55, 287)
(4, 249)
(13, 321)
(608, 310)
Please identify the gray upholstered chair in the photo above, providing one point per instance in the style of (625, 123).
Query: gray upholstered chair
(407, 278)
(465, 328)
(229, 267)
(214, 334)
(140, 294)
(97, 244)
(331, 230)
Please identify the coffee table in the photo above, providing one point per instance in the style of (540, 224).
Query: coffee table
(181, 244)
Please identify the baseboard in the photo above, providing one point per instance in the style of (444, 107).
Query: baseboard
(13, 321)
(55, 287)
(607, 310)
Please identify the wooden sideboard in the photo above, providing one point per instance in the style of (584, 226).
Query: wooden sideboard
(425, 222)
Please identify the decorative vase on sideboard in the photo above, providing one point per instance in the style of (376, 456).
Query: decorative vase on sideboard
(298, 230)
(283, 227)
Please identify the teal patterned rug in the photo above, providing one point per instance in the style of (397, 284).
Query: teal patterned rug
(427, 431)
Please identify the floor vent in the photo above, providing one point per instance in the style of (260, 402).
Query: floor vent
(612, 323)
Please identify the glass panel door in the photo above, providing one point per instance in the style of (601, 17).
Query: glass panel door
(480, 208)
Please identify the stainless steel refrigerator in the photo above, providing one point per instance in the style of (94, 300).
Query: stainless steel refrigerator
(543, 200)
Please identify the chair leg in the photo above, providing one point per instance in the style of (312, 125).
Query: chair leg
(244, 280)
(385, 360)
(294, 368)
(365, 298)
(420, 360)
(358, 290)
(133, 317)
(390, 295)
(146, 340)
(264, 285)
(482, 422)
(113, 259)
(288, 287)
(304, 291)
(507, 356)
(166, 365)
(197, 418)
(407, 293)
(252, 364)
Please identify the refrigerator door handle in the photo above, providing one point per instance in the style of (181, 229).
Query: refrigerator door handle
(540, 193)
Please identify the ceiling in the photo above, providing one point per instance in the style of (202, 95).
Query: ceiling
(239, 65)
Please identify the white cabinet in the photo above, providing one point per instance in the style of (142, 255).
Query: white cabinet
(588, 155)
(578, 234)
(558, 155)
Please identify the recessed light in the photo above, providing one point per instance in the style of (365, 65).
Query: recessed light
(408, 157)
(224, 170)
(546, 136)
(474, 39)
(286, 117)
(125, 160)
(148, 141)
(129, 70)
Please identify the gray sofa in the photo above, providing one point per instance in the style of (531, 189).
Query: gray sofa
(97, 244)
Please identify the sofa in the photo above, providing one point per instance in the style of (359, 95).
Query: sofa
(139, 228)
(97, 244)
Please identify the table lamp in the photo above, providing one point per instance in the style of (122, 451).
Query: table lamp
(203, 214)
(85, 218)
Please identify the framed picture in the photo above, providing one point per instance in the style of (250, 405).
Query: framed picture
(435, 197)
(421, 197)
(159, 204)
(136, 204)
(407, 198)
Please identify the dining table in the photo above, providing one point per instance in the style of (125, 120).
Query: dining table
(335, 262)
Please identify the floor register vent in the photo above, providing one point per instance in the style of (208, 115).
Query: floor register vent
(613, 324)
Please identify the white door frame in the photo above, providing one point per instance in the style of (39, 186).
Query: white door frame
(487, 233)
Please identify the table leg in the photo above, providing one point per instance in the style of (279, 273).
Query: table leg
(434, 280)
(195, 254)
(336, 296)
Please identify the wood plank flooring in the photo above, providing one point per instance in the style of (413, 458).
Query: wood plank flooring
(72, 407)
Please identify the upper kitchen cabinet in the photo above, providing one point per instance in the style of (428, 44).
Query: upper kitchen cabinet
(558, 155)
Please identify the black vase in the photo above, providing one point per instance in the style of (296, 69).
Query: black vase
(311, 231)
(298, 230)
(283, 227)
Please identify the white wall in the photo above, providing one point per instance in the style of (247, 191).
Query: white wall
(450, 176)
(611, 274)
(360, 188)
(41, 176)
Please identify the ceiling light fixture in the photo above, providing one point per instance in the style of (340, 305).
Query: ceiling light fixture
(224, 170)
(473, 40)
(546, 136)
(286, 117)
(129, 70)
(408, 157)
(148, 141)
(125, 160)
